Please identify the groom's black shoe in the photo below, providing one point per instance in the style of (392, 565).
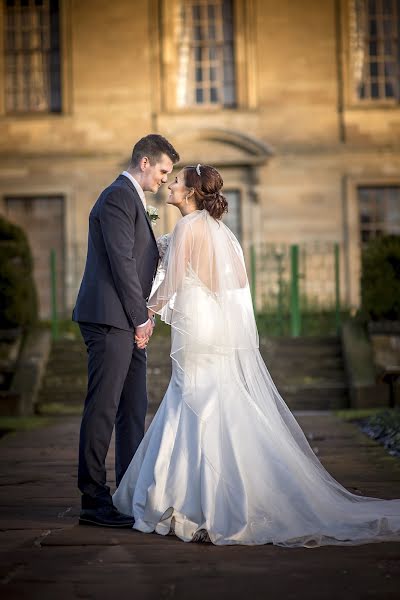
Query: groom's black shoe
(105, 516)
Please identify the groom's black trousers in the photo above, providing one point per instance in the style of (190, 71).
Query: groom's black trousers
(117, 395)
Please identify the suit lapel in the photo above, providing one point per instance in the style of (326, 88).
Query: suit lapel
(139, 201)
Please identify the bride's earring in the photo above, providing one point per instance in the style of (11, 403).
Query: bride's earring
(186, 200)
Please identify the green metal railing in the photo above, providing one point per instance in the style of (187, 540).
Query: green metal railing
(53, 288)
(296, 288)
(253, 273)
(295, 313)
(337, 288)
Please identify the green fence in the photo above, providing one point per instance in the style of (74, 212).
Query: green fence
(296, 288)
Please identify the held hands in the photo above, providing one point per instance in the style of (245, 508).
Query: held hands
(144, 332)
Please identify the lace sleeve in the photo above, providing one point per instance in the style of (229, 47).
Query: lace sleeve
(172, 267)
(162, 244)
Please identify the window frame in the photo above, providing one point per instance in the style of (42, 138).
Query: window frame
(245, 45)
(205, 85)
(65, 69)
(238, 191)
(352, 229)
(24, 187)
(351, 99)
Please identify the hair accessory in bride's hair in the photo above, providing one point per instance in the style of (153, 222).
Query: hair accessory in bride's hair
(198, 169)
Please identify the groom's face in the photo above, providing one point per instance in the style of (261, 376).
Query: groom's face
(154, 176)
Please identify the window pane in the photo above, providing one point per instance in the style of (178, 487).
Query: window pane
(373, 67)
(388, 48)
(196, 12)
(387, 7)
(213, 94)
(232, 218)
(387, 27)
(227, 10)
(372, 28)
(374, 90)
(229, 95)
(389, 91)
(379, 210)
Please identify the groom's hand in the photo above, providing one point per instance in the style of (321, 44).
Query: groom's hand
(143, 334)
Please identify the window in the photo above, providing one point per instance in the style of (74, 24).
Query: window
(375, 27)
(233, 218)
(206, 74)
(32, 56)
(379, 209)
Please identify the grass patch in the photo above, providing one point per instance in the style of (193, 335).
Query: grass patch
(66, 328)
(313, 322)
(56, 409)
(69, 329)
(354, 414)
(161, 329)
(11, 424)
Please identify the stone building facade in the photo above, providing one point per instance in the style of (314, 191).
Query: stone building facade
(296, 102)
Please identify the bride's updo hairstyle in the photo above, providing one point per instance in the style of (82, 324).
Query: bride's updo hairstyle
(206, 183)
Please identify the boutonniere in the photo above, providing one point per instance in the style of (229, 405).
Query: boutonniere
(152, 214)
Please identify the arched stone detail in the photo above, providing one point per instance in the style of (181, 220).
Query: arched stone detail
(221, 147)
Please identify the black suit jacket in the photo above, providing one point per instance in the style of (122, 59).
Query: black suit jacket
(121, 261)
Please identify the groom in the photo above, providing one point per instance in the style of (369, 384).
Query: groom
(111, 311)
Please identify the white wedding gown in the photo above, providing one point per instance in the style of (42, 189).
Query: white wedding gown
(224, 453)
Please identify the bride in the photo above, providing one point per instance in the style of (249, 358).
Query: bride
(224, 459)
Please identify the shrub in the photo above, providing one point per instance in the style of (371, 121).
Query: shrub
(380, 278)
(384, 427)
(18, 298)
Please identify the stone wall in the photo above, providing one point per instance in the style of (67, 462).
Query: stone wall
(296, 147)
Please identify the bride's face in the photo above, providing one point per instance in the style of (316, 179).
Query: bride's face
(178, 192)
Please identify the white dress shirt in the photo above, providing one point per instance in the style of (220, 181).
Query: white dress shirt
(138, 187)
(140, 191)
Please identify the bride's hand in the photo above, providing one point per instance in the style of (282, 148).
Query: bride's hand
(152, 316)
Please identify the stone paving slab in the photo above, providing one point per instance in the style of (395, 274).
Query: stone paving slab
(45, 554)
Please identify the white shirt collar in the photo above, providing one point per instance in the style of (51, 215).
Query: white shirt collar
(138, 187)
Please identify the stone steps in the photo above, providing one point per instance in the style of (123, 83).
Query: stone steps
(65, 379)
(66, 376)
(308, 372)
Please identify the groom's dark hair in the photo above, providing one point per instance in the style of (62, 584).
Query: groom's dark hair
(153, 146)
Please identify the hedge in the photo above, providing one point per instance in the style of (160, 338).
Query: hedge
(18, 297)
(380, 278)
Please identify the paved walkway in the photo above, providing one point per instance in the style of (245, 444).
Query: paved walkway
(46, 555)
